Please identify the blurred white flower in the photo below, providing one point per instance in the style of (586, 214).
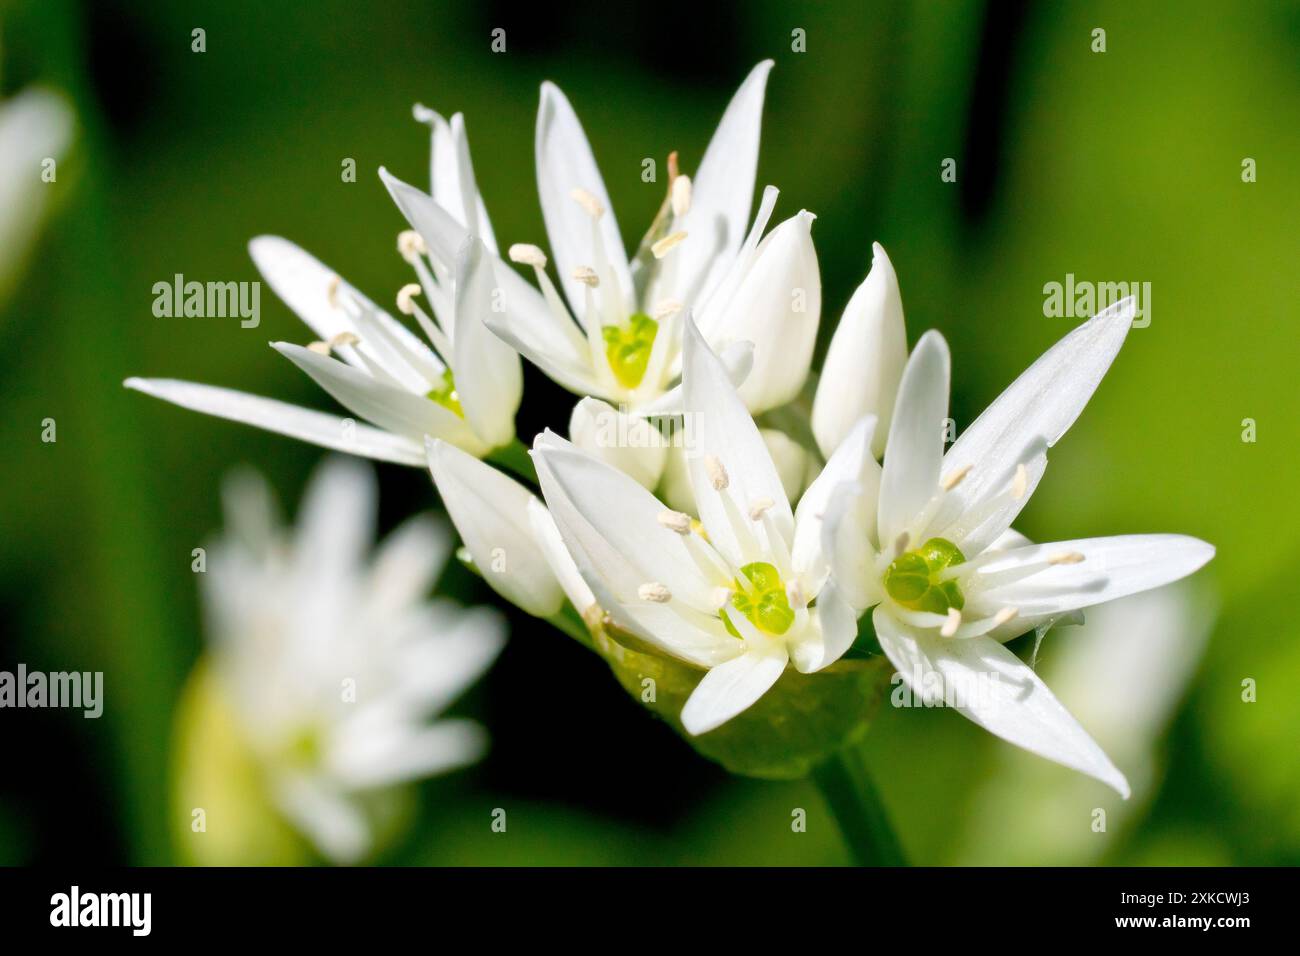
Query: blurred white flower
(926, 541)
(464, 390)
(334, 662)
(742, 591)
(35, 129)
(697, 257)
(865, 362)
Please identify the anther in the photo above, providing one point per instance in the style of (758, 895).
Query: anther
(342, 339)
(1004, 615)
(404, 296)
(411, 245)
(655, 592)
(758, 506)
(666, 244)
(950, 626)
(956, 478)
(320, 348)
(423, 114)
(681, 195)
(1020, 483)
(1065, 557)
(666, 308)
(527, 254)
(332, 291)
(675, 521)
(717, 474)
(588, 202)
(586, 275)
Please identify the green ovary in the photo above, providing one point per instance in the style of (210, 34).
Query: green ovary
(444, 393)
(765, 604)
(912, 579)
(628, 348)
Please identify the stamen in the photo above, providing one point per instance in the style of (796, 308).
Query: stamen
(681, 195)
(901, 542)
(666, 244)
(423, 114)
(675, 521)
(411, 245)
(716, 472)
(1020, 483)
(342, 339)
(587, 276)
(665, 309)
(758, 506)
(1065, 557)
(654, 592)
(332, 291)
(320, 348)
(527, 254)
(956, 478)
(950, 626)
(404, 296)
(1004, 615)
(588, 202)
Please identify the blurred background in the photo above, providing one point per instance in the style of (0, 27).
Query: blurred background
(1123, 165)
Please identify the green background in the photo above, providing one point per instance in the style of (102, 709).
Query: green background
(1122, 165)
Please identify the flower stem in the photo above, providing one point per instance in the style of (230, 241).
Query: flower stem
(856, 805)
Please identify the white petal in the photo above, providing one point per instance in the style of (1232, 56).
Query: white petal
(719, 426)
(626, 442)
(490, 510)
(407, 563)
(444, 651)
(914, 453)
(733, 687)
(737, 358)
(319, 428)
(538, 343)
(1112, 568)
(793, 462)
(852, 462)
(392, 409)
(328, 816)
(848, 530)
(865, 363)
(476, 217)
(998, 691)
(489, 379)
(403, 754)
(1038, 407)
(336, 523)
(723, 191)
(626, 516)
(777, 307)
(557, 555)
(833, 628)
(565, 163)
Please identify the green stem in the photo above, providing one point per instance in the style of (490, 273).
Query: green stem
(856, 805)
(514, 457)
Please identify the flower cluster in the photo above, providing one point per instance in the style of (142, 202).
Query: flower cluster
(751, 556)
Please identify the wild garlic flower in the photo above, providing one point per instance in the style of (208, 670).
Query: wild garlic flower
(739, 592)
(698, 256)
(926, 541)
(333, 662)
(465, 389)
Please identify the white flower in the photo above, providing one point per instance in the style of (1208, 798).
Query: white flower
(35, 128)
(698, 255)
(741, 592)
(464, 390)
(865, 362)
(508, 532)
(334, 662)
(933, 553)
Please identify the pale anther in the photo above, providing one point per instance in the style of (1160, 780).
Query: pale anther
(342, 339)
(675, 521)
(954, 621)
(1004, 615)
(666, 244)
(1020, 483)
(527, 254)
(681, 195)
(411, 245)
(666, 308)
(320, 348)
(955, 479)
(404, 296)
(655, 592)
(332, 291)
(758, 506)
(717, 474)
(1065, 557)
(586, 275)
(588, 202)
